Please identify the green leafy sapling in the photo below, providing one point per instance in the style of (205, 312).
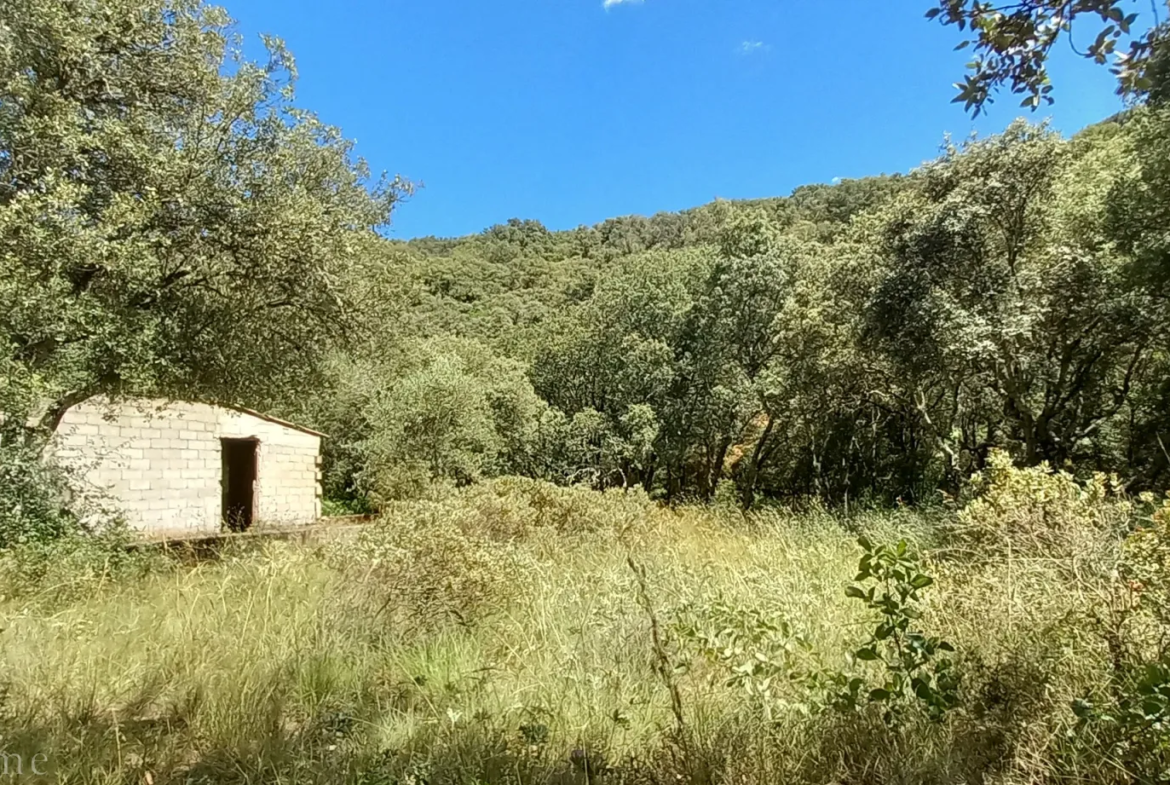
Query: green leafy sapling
(890, 581)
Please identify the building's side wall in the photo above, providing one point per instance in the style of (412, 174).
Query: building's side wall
(160, 463)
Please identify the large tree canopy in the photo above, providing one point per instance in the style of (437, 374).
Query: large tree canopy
(170, 222)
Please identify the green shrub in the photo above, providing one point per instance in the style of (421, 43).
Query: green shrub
(1125, 723)
(1131, 728)
(577, 509)
(59, 539)
(458, 554)
(1145, 565)
(31, 494)
(345, 506)
(1037, 512)
(456, 412)
(918, 668)
(757, 650)
(426, 571)
(515, 508)
(73, 566)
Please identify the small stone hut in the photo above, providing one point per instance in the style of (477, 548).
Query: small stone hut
(175, 467)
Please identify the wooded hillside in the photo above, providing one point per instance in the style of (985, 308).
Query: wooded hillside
(873, 339)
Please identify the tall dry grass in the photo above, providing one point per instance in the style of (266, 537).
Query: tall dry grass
(499, 635)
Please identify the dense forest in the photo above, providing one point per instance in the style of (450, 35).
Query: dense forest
(868, 341)
(871, 340)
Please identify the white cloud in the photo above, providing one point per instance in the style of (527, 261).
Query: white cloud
(608, 4)
(752, 47)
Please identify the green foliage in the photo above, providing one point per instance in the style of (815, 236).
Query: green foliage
(1146, 564)
(867, 342)
(74, 565)
(453, 557)
(31, 498)
(344, 506)
(1012, 328)
(1140, 200)
(1134, 728)
(873, 341)
(496, 635)
(726, 496)
(1012, 44)
(434, 572)
(1037, 512)
(518, 509)
(434, 424)
(917, 669)
(1129, 721)
(440, 410)
(759, 650)
(170, 222)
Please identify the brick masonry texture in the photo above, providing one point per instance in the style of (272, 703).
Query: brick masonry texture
(160, 462)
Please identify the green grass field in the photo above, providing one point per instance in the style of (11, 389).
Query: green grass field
(500, 634)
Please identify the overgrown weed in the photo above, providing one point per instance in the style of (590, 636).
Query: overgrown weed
(497, 634)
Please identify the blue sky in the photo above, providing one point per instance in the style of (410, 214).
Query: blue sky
(573, 111)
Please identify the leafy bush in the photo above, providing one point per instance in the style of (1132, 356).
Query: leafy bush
(73, 566)
(1132, 728)
(425, 572)
(445, 410)
(342, 506)
(577, 509)
(59, 538)
(917, 668)
(1145, 565)
(757, 649)
(1127, 720)
(31, 495)
(1037, 512)
(459, 554)
(516, 508)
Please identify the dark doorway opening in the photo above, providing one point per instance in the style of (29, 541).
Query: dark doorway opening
(239, 483)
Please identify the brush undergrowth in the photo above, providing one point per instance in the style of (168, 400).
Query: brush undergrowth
(518, 632)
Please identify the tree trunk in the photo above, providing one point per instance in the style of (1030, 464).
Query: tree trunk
(716, 473)
(42, 423)
(753, 472)
(648, 477)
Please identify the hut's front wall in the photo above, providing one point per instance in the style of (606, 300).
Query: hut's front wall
(160, 462)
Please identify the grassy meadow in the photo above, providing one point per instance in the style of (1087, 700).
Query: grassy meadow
(519, 632)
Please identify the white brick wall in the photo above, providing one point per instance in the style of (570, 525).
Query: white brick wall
(161, 462)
